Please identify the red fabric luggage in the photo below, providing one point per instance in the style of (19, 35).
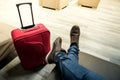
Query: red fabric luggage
(32, 43)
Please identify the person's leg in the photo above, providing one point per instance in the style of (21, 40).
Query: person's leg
(73, 52)
(72, 70)
(68, 63)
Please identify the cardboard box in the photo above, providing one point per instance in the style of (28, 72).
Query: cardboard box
(55, 4)
(89, 3)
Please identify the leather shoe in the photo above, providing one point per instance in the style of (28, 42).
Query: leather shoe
(55, 49)
(74, 35)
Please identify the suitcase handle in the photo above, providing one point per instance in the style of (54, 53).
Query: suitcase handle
(29, 26)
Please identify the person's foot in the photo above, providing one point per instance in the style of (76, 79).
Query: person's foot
(74, 35)
(55, 49)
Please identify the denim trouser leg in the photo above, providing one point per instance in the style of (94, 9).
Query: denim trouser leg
(73, 52)
(70, 69)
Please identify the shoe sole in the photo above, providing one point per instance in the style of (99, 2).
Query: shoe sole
(46, 58)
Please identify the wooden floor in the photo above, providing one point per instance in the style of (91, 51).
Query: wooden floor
(100, 27)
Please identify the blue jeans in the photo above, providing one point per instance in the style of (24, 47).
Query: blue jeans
(70, 68)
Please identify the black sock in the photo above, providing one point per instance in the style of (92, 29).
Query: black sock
(73, 44)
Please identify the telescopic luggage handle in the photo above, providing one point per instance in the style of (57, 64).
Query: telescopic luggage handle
(30, 26)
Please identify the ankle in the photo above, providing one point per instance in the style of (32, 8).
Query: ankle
(74, 44)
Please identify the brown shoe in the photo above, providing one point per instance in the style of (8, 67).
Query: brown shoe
(56, 48)
(74, 35)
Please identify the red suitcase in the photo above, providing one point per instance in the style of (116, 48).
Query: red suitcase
(32, 43)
